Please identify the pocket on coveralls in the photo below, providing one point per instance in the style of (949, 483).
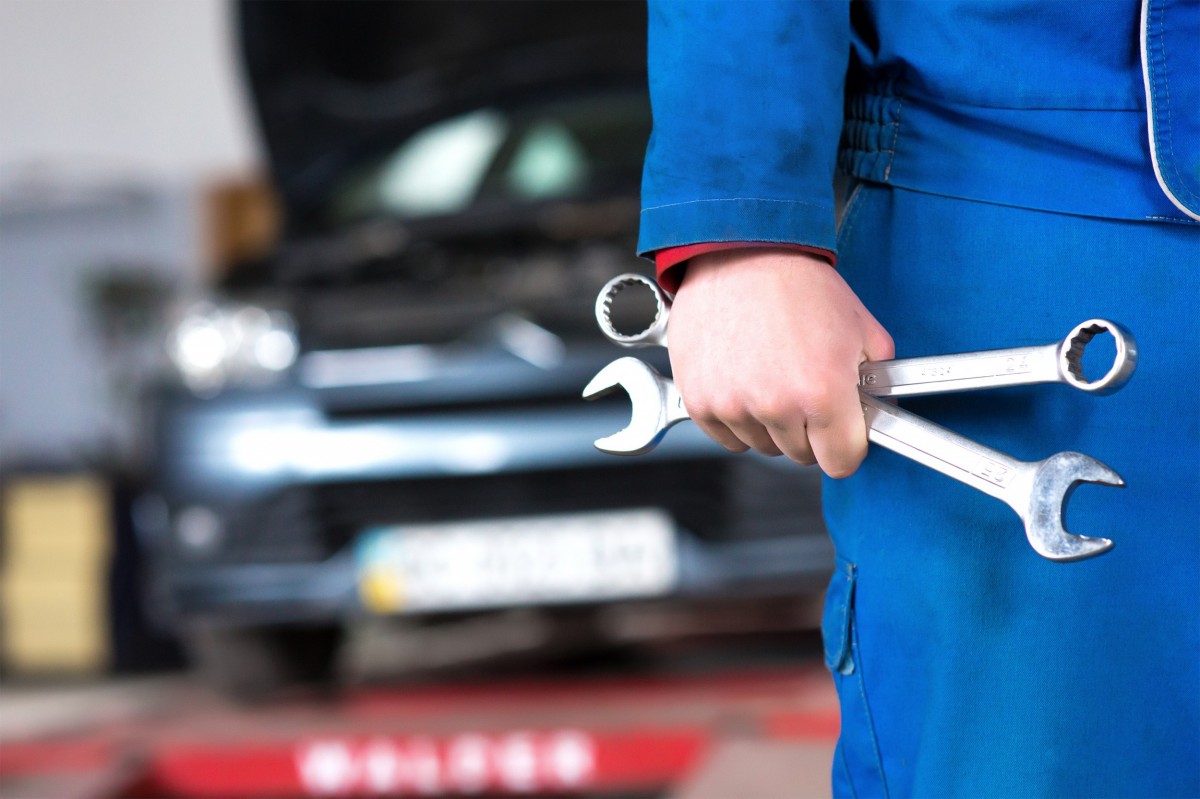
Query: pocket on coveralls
(835, 622)
(857, 766)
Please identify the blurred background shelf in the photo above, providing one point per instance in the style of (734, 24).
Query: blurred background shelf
(57, 541)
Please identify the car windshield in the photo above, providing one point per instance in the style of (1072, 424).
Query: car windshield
(583, 147)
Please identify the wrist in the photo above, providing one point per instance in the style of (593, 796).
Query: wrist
(671, 263)
(756, 264)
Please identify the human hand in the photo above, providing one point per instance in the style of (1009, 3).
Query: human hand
(765, 347)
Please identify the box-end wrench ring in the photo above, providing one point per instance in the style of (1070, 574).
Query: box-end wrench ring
(1057, 362)
(1037, 491)
(653, 336)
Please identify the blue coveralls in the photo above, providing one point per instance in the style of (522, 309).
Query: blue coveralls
(1018, 167)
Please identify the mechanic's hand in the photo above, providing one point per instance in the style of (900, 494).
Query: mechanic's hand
(765, 347)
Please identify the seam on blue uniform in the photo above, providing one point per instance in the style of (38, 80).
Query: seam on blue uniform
(862, 688)
(887, 172)
(1162, 48)
(849, 778)
(735, 199)
(852, 214)
(906, 88)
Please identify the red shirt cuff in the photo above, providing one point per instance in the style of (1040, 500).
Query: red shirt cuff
(670, 263)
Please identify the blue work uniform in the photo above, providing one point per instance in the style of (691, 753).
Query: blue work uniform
(1017, 167)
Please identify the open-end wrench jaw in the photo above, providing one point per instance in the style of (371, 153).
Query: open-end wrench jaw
(1054, 480)
(655, 402)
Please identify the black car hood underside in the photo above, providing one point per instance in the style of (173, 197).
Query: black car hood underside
(334, 81)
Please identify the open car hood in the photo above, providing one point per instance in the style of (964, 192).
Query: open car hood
(336, 82)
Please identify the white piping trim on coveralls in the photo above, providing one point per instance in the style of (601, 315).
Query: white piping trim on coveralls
(1150, 115)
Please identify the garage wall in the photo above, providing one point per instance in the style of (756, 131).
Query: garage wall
(136, 86)
(113, 114)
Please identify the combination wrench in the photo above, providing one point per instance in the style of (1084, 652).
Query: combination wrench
(1057, 362)
(1037, 491)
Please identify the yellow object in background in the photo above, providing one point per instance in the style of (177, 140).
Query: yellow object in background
(54, 584)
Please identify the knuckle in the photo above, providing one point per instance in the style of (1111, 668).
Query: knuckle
(699, 408)
(820, 417)
(821, 406)
(731, 410)
(774, 409)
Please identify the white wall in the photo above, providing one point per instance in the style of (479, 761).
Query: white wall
(56, 405)
(112, 114)
(143, 88)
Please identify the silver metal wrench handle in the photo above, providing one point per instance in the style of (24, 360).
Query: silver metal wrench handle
(942, 450)
(1037, 491)
(1060, 362)
(670, 412)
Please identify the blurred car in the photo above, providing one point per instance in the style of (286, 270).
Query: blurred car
(384, 416)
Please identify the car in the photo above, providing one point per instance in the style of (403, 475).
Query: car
(382, 418)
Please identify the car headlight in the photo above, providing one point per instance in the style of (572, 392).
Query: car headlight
(213, 345)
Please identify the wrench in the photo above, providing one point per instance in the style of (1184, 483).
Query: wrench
(1057, 362)
(1037, 490)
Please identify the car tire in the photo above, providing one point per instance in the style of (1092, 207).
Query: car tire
(253, 664)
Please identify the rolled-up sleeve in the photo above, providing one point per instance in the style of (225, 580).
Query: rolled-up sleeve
(747, 102)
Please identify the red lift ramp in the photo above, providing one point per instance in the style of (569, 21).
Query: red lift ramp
(570, 737)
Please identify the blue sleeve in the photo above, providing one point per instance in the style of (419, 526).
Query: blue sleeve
(747, 102)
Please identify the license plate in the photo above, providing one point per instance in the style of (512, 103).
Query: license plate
(530, 560)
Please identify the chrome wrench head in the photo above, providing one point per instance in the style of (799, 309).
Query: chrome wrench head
(653, 336)
(656, 405)
(1036, 490)
(1070, 356)
(1054, 480)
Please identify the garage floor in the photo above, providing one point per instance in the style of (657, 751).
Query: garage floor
(759, 733)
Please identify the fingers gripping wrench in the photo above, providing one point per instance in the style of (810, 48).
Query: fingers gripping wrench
(1037, 491)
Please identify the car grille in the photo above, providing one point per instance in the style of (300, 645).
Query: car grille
(717, 499)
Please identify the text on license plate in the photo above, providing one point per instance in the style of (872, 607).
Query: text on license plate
(518, 561)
